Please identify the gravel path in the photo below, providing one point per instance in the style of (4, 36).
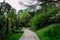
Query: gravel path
(28, 35)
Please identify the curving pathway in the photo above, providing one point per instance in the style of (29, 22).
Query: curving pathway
(28, 35)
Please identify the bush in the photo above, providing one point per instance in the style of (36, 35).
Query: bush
(50, 32)
(53, 32)
(40, 20)
(14, 36)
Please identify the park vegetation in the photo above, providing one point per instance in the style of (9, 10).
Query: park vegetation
(45, 21)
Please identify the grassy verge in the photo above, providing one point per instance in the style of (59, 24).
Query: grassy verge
(14, 36)
(40, 34)
(51, 32)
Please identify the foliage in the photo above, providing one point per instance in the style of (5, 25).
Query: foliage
(24, 17)
(53, 32)
(40, 20)
(50, 32)
(36, 19)
(7, 21)
(14, 36)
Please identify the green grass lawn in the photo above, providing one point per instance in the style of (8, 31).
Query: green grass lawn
(15, 36)
(51, 32)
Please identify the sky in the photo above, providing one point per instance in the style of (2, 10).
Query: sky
(21, 4)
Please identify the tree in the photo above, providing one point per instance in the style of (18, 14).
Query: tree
(12, 19)
(24, 17)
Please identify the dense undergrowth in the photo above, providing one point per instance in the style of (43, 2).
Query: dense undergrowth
(43, 19)
(50, 32)
(46, 21)
(14, 36)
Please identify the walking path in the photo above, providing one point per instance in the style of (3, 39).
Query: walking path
(28, 35)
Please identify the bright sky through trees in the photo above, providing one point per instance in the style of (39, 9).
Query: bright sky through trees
(21, 4)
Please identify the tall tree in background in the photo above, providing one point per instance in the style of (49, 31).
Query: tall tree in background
(24, 17)
(12, 19)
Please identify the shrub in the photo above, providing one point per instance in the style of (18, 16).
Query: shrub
(53, 32)
(50, 32)
(40, 20)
